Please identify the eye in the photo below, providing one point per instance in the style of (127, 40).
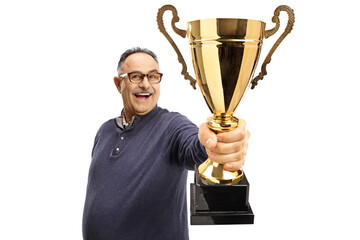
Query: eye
(136, 76)
(153, 76)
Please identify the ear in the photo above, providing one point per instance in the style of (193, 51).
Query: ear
(117, 82)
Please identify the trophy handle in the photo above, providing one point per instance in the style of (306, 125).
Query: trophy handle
(269, 33)
(180, 32)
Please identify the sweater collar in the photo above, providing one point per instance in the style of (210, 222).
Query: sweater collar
(121, 123)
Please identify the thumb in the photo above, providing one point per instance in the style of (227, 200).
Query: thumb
(207, 137)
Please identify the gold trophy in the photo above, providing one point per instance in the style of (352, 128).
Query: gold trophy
(225, 53)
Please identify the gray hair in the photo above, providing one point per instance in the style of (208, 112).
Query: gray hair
(132, 51)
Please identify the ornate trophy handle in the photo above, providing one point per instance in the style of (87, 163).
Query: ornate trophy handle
(182, 33)
(271, 32)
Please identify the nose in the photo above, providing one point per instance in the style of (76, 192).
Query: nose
(145, 83)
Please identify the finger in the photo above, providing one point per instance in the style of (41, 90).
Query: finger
(207, 137)
(226, 148)
(247, 134)
(234, 166)
(237, 134)
(226, 158)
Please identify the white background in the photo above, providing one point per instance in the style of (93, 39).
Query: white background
(57, 61)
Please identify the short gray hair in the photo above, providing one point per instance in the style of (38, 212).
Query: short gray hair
(132, 51)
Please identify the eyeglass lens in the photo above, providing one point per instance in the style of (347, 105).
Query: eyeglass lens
(138, 77)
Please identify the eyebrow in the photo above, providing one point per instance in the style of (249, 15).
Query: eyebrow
(154, 70)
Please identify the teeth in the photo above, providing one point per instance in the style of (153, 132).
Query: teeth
(143, 94)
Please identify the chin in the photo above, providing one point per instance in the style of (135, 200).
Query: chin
(143, 111)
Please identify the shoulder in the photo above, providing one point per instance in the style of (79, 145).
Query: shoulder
(173, 117)
(175, 122)
(108, 126)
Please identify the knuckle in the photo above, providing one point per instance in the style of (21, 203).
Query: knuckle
(243, 134)
(239, 146)
(245, 147)
(239, 156)
(238, 165)
(221, 159)
(219, 148)
(248, 134)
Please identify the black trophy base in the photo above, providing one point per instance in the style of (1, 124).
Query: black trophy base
(220, 204)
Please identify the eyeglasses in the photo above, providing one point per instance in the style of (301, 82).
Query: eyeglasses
(138, 77)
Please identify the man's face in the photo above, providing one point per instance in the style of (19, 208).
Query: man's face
(138, 98)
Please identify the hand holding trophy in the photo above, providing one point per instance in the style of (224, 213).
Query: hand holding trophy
(225, 53)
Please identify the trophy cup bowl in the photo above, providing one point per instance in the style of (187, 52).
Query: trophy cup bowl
(225, 53)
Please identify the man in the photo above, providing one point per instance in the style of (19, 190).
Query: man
(137, 178)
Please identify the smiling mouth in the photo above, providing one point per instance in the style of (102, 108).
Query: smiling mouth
(142, 95)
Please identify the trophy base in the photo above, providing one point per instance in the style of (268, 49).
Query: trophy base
(220, 204)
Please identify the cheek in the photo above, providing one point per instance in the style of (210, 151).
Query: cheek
(157, 90)
(126, 94)
(126, 90)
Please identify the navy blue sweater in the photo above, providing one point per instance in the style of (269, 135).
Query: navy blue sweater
(137, 178)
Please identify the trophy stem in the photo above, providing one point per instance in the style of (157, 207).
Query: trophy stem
(211, 172)
(222, 122)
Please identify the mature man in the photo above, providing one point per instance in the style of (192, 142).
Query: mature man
(137, 178)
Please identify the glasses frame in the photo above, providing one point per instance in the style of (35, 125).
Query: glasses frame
(142, 77)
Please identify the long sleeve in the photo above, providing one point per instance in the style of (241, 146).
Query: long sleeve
(186, 148)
